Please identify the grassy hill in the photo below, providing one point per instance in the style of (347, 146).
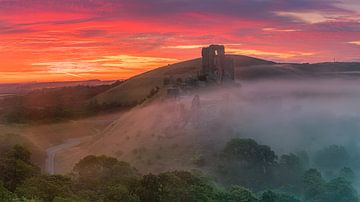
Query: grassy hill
(139, 87)
(154, 137)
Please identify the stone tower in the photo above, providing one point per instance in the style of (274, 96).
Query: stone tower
(216, 67)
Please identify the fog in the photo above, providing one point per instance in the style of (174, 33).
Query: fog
(295, 115)
(289, 116)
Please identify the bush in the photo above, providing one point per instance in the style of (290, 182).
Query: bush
(46, 187)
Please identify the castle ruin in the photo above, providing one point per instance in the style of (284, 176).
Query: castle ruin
(216, 66)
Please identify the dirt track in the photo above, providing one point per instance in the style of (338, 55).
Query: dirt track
(52, 151)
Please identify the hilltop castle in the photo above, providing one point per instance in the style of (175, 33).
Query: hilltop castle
(216, 66)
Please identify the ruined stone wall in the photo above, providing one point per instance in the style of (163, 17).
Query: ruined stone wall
(216, 67)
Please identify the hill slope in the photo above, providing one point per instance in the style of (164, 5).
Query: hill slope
(138, 88)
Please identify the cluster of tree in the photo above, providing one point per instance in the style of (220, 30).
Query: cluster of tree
(56, 104)
(245, 162)
(317, 189)
(102, 178)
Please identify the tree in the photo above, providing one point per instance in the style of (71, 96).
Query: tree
(96, 177)
(6, 195)
(313, 185)
(19, 152)
(289, 171)
(347, 173)
(176, 186)
(247, 163)
(15, 167)
(97, 170)
(249, 151)
(119, 193)
(241, 194)
(270, 196)
(150, 188)
(340, 190)
(332, 158)
(46, 187)
(184, 186)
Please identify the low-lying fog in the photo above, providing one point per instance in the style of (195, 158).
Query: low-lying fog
(289, 116)
(300, 115)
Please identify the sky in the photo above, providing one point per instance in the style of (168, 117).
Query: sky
(57, 40)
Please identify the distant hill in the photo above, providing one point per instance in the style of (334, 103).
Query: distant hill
(54, 104)
(138, 88)
(21, 88)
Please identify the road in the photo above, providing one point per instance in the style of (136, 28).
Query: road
(52, 151)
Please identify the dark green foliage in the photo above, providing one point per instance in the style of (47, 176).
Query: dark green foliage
(150, 188)
(313, 185)
(98, 177)
(289, 172)
(95, 170)
(333, 157)
(46, 188)
(174, 186)
(6, 195)
(106, 179)
(15, 167)
(249, 151)
(291, 162)
(270, 196)
(19, 153)
(236, 194)
(340, 190)
(316, 189)
(247, 163)
(348, 174)
(119, 193)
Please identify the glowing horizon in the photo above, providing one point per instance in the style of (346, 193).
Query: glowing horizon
(61, 40)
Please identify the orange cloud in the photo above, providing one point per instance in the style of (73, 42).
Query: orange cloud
(355, 43)
(118, 39)
(282, 55)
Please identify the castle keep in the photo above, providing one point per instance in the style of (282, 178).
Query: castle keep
(216, 66)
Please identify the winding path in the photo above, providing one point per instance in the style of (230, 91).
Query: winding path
(52, 151)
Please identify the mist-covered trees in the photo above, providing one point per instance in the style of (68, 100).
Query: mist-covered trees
(245, 162)
(289, 171)
(175, 186)
(313, 185)
(332, 157)
(270, 196)
(317, 189)
(102, 178)
(235, 194)
(249, 164)
(249, 152)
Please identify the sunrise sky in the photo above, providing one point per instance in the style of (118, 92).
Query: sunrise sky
(52, 40)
